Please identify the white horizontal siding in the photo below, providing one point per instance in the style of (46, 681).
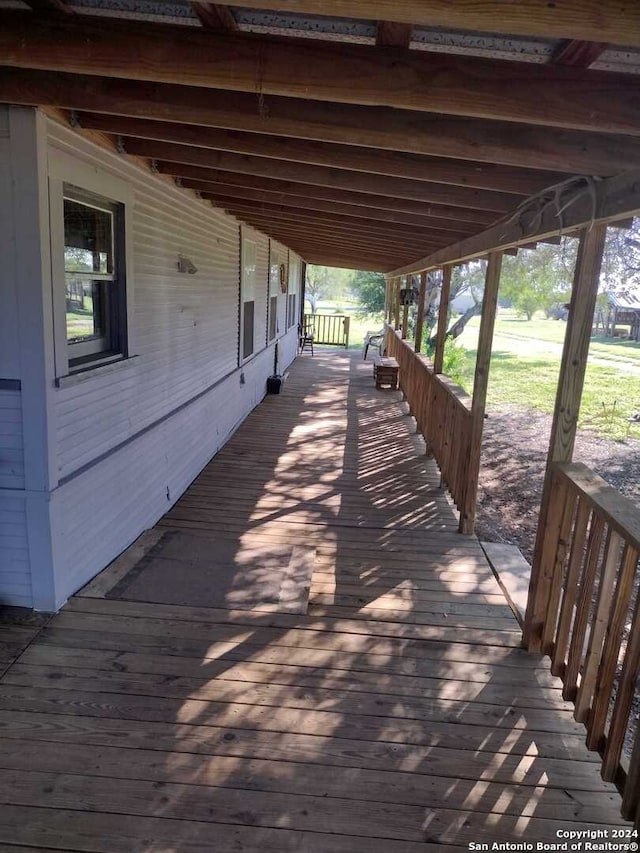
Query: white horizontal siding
(9, 347)
(15, 575)
(97, 514)
(183, 328)
(11, 443)
(129, 441)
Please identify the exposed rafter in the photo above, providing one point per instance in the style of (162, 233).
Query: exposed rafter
(615, 198)
(616, 21)
(578, 54)
(497, 203)
(379, 127)
(375, 214)
(441, 212)
(213, 16)
(328, 71)
(50, 7)
(353, 158)
(339, 224)
(393, 34)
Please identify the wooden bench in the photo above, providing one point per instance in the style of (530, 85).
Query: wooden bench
(385, 372)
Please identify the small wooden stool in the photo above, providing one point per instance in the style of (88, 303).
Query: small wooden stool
(385, 372)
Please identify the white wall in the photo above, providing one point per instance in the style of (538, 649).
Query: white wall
(124, 441)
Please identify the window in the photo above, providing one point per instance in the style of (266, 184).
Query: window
(273, 317)
(95, 299)
(248, 290)
(247, 330)
(274, 290)
(294, 279)
(291, 310)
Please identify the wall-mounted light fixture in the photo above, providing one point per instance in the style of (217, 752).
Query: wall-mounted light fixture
(186, 265)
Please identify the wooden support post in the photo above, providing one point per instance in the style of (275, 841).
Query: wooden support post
(565, 420)
(480, 383)
(443, 313)
(387, 300)
(420, 313)
(396, 304)
(405, 308)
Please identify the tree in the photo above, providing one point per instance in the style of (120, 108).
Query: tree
(621, 261)
(323, 283)
(539, 280)
(369, 289)
(466, 279)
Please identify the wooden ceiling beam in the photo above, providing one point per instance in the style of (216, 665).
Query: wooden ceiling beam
(348, 263)
(300, 242)
(214, 16)
(328, 258)
(357, 254)
(439, 170)
(616, 21)
(616, 198)
(266, 167)
(245, 195)
(339, 232)
(547, 95)
(50, 7)
(336, 231)
(578, 54)
(443, 213)
(509, 144)
(393, 34)
(309, 244)
(373, 226)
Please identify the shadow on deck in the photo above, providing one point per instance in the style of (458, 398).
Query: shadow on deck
(303, 656)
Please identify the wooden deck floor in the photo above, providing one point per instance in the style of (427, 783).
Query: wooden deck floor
(397, 715)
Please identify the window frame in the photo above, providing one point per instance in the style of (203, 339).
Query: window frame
(84, 354)
(248, 287)
(89, 184)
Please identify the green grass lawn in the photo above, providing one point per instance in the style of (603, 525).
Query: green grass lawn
(540, 332)
(525, 363)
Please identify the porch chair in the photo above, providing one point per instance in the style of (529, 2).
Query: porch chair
(375, 340)
(305, 336)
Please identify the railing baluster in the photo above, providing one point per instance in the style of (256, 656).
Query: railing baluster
(598, 627)
(539, 598)
(558, 659)
(557, 576)
(611, 650)
(623, 700)
(576, 645)
(631, 793)
(441, 409)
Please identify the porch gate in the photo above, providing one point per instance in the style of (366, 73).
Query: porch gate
(330, 329)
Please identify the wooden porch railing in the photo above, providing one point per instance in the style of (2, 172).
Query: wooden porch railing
(591, 628)
(442, 411)
(330, 329)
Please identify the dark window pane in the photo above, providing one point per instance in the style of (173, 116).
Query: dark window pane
(247, 336)
(291, 317)
(88, 238)
(86, 309)
(273, 317)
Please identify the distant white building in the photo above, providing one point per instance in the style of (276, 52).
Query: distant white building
(138, 328)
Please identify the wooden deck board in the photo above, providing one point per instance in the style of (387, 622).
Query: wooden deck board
(398, 714)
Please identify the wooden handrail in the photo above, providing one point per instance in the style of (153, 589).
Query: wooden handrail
(590, 565)
(332, 329)
(442, 411)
